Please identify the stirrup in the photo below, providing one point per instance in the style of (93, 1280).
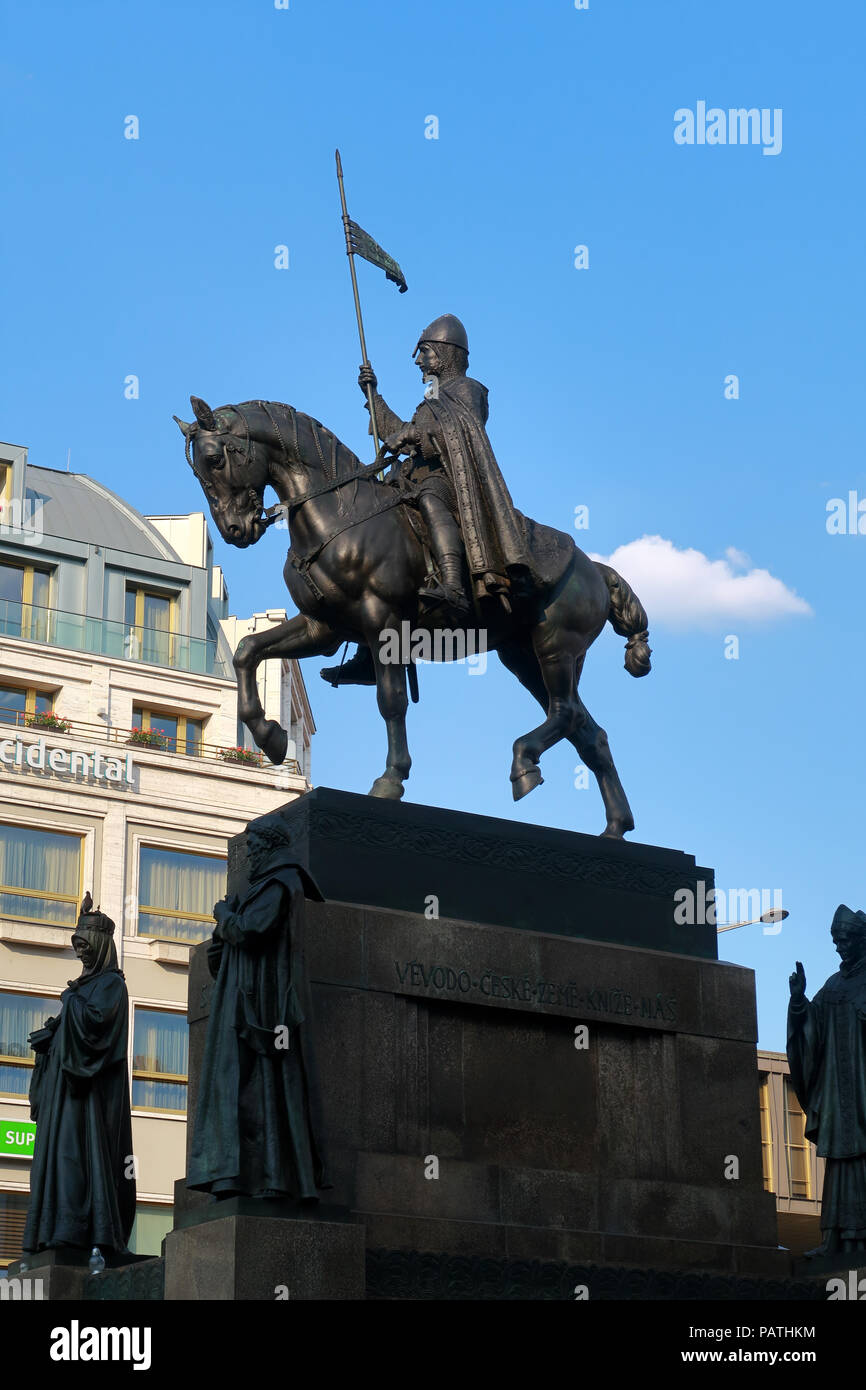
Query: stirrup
(358, 670)
(433, 594)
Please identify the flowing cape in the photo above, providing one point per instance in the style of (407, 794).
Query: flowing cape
(256, 1117)
(494, 532)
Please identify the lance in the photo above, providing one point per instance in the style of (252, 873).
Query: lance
(350, 252)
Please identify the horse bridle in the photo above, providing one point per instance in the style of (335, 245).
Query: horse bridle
(269, 515)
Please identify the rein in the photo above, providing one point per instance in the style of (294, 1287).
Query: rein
(273, 513)
(302, 563)
(269, 515)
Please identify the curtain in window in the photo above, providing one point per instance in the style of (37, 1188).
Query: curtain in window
(171, 881)
(157, 614)
(20, 1015)
(37, 626)
(161, 1044)
(37, 859)
(11, 595)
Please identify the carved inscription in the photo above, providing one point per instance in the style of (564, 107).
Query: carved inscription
(610, 1000)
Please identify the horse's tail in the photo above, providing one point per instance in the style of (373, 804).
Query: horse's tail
(627, 616)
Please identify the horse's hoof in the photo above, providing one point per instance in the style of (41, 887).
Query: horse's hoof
(616, 829)
(275, 743)
(526, 782)
(387, 788)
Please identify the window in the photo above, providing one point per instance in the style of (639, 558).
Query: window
(796, 1146)
(13, 1214)
(176, 893)
(40, 875)
(17, 705)
(24, 593)
(5, 492)
(149, 625)
(178, 731)
(20, 1015)
(766, 1133)
(153, 1221)
(160, 1052)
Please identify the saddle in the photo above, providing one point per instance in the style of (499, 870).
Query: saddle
(550, 552)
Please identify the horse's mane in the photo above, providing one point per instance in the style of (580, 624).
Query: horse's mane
(324, 440)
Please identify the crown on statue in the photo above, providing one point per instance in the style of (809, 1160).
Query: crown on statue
(90, 920)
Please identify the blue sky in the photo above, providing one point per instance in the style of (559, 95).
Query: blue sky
(155, 257)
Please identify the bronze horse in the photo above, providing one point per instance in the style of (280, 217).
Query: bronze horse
(354, 569)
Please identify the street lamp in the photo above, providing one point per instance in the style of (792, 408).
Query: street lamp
(772, 915)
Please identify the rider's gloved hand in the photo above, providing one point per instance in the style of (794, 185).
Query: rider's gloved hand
(402, 439)
(367, 377)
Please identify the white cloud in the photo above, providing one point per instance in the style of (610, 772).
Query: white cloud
(685, 587)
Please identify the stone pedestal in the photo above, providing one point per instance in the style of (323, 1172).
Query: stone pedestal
(550, 1069)
(60, 1275)
(49, 1279)
(239, 1257)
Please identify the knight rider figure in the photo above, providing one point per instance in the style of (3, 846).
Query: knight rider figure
(454, 479)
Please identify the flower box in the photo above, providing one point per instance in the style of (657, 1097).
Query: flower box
(47, 719)
(149, 738)
(245, 756)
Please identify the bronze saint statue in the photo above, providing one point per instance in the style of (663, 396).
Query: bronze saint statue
(256, 1124)
(827, 1056)
(82, 1182)
(357, 563)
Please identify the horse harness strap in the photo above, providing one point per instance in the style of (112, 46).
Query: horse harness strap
(302, 563)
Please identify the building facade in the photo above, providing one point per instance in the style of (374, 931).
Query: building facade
(123, 771)
(793, 1172)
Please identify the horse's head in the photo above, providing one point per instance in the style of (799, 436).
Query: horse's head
(232, 468)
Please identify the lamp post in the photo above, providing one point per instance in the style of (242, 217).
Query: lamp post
(772, 915)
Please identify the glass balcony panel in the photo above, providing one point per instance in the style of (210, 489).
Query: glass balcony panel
(109, 637)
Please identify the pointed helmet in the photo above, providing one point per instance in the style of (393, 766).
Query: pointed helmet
(447, 329)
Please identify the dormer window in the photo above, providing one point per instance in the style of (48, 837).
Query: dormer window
(24, 599)
(151, 625)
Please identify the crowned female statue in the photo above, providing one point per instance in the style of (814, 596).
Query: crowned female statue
(82, 1183)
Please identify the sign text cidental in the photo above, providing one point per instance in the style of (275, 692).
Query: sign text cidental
(91, 764)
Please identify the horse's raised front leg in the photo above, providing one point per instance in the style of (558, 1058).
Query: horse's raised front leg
(298, 637)
(393, 702)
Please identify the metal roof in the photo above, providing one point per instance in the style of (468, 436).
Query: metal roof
(78, 508)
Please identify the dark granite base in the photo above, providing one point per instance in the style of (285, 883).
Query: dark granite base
(260, 1209)
(426, 1276)
(73, 1257)
(454, 1040)
(826, 1265)
(396, 855)
(245, 1258)
(576, 1068)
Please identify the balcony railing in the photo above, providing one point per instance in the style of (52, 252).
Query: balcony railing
(10, 720)
(108, 637)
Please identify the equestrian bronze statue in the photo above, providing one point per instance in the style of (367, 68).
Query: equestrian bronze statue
(437, 546)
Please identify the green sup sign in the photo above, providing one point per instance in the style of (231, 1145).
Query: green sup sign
(17, 1138)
